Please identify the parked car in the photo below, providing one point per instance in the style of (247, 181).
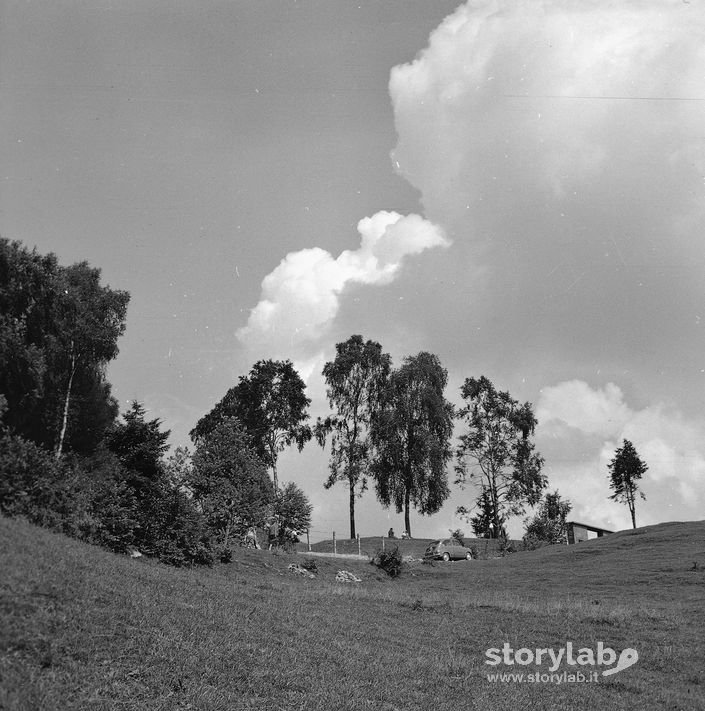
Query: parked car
(448, 549)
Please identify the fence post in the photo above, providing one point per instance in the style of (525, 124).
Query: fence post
(383, 544)
(358, 545)
(308, 541)
(335, 545)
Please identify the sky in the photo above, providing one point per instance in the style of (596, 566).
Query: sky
(515, 186)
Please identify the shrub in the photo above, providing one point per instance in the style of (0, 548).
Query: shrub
(224, 553)
(506, 546)
(176, 525)
(25, 470)
(202, 554)
(390, 561)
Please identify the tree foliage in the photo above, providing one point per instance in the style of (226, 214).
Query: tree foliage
(355, 382)
(271, 405)
(625, 470)
(548, 526)
(485, 523)
(292, 511)
(140, 445)
(59, 328)
(497, 453)
(229, 481)
(411, 435)
(90, 320)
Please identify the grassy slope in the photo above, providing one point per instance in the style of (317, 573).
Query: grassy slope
(85, 629)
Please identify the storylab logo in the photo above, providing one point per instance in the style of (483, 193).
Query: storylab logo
(584, 665)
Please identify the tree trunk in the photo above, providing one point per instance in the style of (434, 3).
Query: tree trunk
(494, 497)
(352, 511)
(274, 476)
(62, 435)
(407, 520)
(629, 500)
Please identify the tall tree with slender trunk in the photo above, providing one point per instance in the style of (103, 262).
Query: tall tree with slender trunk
(355, 380)
(497, 453)
(411, 436)
(91, 319)
(625, 470)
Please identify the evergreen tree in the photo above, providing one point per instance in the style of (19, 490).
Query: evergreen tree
(140, 445)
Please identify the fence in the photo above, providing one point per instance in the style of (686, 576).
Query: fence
(363, 546)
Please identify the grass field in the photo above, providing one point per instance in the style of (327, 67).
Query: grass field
(85, 629)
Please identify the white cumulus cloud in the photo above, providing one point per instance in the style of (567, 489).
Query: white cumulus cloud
(301, 297)
(560, 145)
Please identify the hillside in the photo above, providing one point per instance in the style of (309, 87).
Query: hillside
(85, 629)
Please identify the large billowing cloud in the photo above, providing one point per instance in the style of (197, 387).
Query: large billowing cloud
(301, 297)
(560, 144)
(580, 429)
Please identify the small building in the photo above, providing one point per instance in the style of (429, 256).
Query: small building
(578, 532)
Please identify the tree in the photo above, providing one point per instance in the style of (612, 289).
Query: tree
(292, 510)
(548, 525)
(355, 381)
(230, 481)
(270, 404)
(27, 297)
(91, 319)
(625, 470)
(485, 523)
(140, 446)
(58, 330)
(411, 437)
(498, 443)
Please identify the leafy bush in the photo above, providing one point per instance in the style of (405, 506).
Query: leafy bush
(548, 526)
(390, 561)
(292, 511)
(224, 553)
(506, 546)
(25, 470)
(176, 529)
(89, 503)
(88, 498)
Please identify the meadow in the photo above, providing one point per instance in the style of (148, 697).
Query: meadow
(83, 628)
